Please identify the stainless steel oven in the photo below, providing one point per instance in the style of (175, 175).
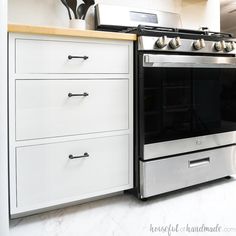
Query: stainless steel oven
(185, 99)
(186, 96)
(185, 112)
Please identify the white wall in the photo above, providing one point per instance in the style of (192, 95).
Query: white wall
(194, 13)
(53, 13)
(201, 13)
(4, 213)
(229, 30)
(227, 19)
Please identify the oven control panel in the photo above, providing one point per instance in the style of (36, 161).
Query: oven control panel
(164, 43)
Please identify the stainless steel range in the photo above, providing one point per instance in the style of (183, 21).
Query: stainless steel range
(185, 108)
(185, 103)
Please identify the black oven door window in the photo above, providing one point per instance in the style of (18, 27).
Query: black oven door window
(187, 102)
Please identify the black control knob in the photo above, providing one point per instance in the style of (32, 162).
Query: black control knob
(175, 43)
(161, 42)
(199, 44)
(219, 46)
(230, 46)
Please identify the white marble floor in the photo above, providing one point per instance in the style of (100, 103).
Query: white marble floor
(210, 204)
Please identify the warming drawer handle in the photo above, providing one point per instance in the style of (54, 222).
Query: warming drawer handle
(76, 157)
(78, 57)
(77, 94)
(199, 162)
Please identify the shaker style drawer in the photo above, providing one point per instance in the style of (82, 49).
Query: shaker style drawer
(53, 108)
(70, 171)
(165, 175)
(48, 57)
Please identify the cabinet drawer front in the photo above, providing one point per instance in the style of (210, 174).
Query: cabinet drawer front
(169, 174)
(44, 109)
(47, 57)
(45, 174)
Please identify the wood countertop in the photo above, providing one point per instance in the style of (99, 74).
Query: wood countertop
(29, 29)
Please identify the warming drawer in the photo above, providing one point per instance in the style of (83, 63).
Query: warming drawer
(165, 175)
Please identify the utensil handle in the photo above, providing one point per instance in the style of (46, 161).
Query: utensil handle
(80, 57)
(76, 157)
(70, 17)
(85, 12)
(67, 7)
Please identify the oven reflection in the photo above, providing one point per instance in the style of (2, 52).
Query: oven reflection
(187, 102)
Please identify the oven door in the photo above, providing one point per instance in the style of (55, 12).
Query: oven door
(189, 99)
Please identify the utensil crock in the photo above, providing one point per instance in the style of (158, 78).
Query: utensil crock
(77, 24)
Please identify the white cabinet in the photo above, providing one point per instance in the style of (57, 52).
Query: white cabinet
(71, 121)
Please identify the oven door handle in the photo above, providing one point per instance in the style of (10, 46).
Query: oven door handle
(159, 60)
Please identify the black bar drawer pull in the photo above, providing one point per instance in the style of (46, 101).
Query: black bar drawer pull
(76, 157)
(78, 57)
(77, 95)
(199, 162)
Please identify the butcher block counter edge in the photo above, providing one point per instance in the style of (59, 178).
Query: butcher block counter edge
(29, 29)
